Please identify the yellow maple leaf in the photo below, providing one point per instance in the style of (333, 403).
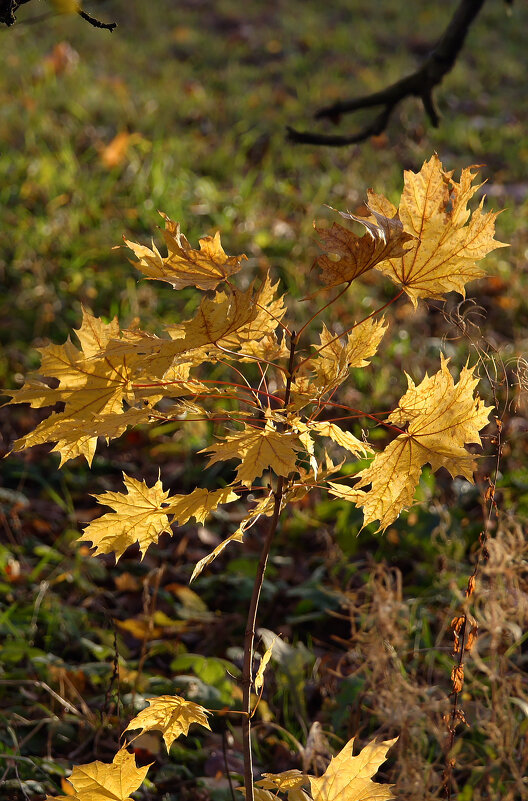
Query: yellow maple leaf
(139, 515)
(76, 369)
(448, 241)
(91, 385)
(172, 715)
(354, 255)
(198, 503)
(70, 432)
(270, 310)
(334, 360)
(100, 781)
(183, 266)
(441, 418)
(257, 449)
(216, 319)
(349, 778)
(287, 780)
(344, 438)
(270, 348)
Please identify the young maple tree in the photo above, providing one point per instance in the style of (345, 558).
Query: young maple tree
(431, 244)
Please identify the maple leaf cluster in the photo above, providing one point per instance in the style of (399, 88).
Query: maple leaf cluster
(347, 778)
(119, 378)
(277, 428)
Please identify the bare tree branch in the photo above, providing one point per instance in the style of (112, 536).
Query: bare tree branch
(418, 84)
(7, 10)
(109, 26)
(9, 7)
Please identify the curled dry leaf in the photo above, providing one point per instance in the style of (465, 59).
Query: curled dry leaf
(354, 255)
(259, 678)
(204, 268)
(457, 678)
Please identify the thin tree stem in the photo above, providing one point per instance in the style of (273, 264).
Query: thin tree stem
(249, 638)
(247, 671)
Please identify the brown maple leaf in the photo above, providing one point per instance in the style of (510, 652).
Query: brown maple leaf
(354, 255)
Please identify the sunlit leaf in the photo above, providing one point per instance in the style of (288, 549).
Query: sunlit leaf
(441, 418)
(99, 781)
(448, 240)
(139, 515)
(257, 449)
(170, 714)
(204, 268)
(349, 778)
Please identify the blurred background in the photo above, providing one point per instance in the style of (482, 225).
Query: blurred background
(183, 109)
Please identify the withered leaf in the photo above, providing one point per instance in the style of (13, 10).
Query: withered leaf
(354, 255)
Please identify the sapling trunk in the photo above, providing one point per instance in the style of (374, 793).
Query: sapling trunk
(247, 671)
(249, 638)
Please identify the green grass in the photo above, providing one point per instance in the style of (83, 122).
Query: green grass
(208, 92)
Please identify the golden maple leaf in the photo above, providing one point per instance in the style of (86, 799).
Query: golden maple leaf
(70, 435)
(141, 514)
(183, 266)
(447, 241)
(355, 255)
(257, 449)
(198, 503)
(172, 715)
(349, 778)
(100, 781)
(138, 516)
(75, 369)
(441, 418)
(334, 360)
(289, 781)
(361, 343)
(270, 310)
(91, 385)
(218, 318)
